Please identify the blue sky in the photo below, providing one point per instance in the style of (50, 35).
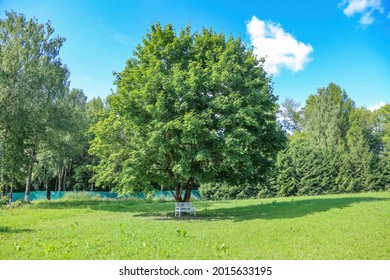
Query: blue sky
(308, 43)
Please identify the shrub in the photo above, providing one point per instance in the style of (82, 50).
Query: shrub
(219, 191)
(20, 203)
(80, 196)
(4, 200)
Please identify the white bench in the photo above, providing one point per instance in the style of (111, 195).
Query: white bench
(184, 207)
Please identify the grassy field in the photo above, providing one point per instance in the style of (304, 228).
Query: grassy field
(326, 227)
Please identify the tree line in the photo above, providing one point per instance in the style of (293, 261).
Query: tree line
(191, 110)
(334, 146)
(43, 122)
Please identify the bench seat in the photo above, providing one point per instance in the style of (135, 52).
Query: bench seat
(184, 207)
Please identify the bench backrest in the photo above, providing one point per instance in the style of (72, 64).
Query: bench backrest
(183, 204)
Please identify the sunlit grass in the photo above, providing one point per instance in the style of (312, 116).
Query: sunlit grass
(325, 227)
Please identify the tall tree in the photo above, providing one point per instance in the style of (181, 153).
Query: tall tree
(66, 139)
(327, 116)
(190, 107)
(32, 80)
(82, 167)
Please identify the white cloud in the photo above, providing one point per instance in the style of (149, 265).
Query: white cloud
(365, 8)
(366, 19)
(377, 106)
(280, 49)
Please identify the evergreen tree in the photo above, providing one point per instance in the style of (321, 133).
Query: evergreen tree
(340, 149)
(287, 181)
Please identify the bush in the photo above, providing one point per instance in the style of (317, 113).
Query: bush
(79, 196)
(20, 203)
(219, 191)
(4, 200)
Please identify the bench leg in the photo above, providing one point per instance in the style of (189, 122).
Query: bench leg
(189, 211)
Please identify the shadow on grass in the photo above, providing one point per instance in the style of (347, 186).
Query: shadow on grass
(284, 209)
(129, 206)
(262, 209)
(14, 230)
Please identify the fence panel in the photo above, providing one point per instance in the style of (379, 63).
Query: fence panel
(40, 195)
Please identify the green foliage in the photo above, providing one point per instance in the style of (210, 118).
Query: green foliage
(291, 116)
(21, 203)
(327, 116)
(340, 148)
(4, 200)
(31, 79)
(188, 107)
(181, 232)
(380, 126)
(42, 121)
(381, 179)
(222, 191)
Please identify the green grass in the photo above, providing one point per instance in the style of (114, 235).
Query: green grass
(326, 227)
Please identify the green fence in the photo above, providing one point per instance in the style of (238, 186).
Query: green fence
(39, 195)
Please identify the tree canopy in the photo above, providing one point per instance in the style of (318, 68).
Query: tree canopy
(188, 108)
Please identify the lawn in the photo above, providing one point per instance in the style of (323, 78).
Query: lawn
(354, 226)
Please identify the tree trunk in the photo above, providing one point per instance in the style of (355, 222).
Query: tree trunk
(64, 179)
(60, 178)
(56, 185)
(178, 195)
(47, 185)
(11, 192)
(3, 188)
(48, 195)
(69, 175)
(189, 186)
(28, 182)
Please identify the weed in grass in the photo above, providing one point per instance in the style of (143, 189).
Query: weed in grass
(221, 247)
(73, 225)
(17, 246)
(122, 229)
(181, 232)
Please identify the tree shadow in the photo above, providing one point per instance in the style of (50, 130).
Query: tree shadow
(206, 211)
(14, 230)
(114, 205)
(268, 210)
